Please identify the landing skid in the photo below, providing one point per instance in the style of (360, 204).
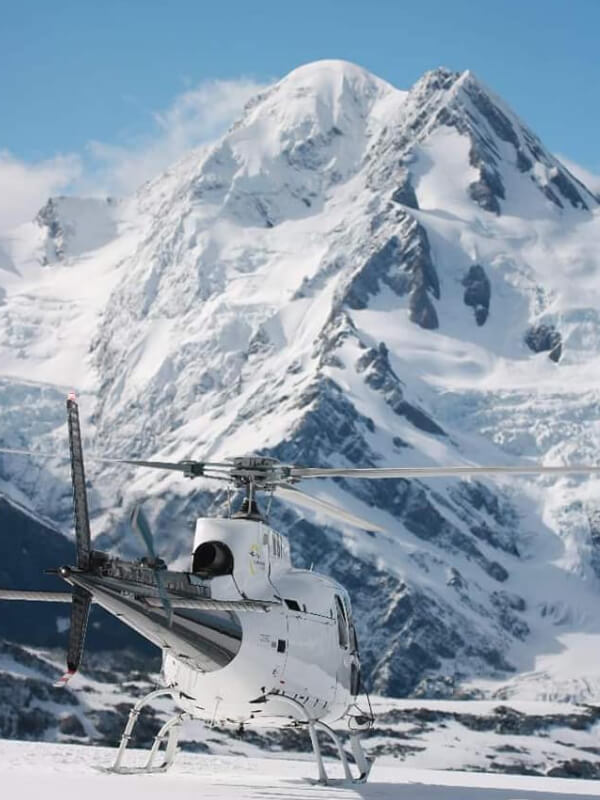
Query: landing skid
(363, 763)
(169, 733)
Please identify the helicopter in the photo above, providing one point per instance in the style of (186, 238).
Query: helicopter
(246, 637)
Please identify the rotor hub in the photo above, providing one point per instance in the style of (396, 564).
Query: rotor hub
(262, 472)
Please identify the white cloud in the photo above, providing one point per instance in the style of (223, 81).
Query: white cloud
(195, 117)
(25, 187)
(586, 176)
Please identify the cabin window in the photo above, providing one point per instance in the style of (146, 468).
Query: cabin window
(293, 605)
(276, 545)
(342, 623)
(281, 645)
(351, 629)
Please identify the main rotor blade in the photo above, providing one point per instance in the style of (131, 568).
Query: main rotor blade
(294, 495)
(372, 473)
(34, 453)
(187, 466)
(191, 467)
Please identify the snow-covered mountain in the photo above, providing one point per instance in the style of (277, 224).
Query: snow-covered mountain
(352, 275)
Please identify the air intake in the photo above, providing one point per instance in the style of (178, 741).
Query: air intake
(213, 559)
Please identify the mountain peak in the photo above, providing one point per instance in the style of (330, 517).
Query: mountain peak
(327, 70)
(323, 90)
(498, 139)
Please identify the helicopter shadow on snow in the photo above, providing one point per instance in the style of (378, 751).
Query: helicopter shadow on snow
(296, 790)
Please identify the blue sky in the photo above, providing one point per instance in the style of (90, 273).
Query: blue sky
(86, 85)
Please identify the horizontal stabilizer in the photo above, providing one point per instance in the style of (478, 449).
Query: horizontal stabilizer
(207, 604)
(43, 597)
(201, 603)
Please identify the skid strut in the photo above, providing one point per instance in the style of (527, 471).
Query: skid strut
(314, 725)
(169, 733)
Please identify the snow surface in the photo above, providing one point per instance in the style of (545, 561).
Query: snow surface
(71, 771)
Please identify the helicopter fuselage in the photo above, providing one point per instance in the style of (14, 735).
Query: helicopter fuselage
(240, 666)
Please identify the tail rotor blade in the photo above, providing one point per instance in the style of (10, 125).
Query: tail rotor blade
(140, 524)
(80, 504)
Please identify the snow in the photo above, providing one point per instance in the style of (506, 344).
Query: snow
(71, 771)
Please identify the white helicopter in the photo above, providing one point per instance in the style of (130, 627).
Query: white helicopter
(246, 638)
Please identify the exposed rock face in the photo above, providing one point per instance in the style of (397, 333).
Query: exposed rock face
(478, 292)
(593, 515)
(488, 190)
(71, 225)
(405, 194)
(403, 264)
(48, 218)
(543, 338)
(71, 725)
(422, 310)
(380, 376)
(460, 101)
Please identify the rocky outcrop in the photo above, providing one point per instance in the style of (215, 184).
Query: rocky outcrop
(404, 265)
(542, 338)
(48, 218)
(488, 190)
(478, 292)
(379, 375)
(405, 194)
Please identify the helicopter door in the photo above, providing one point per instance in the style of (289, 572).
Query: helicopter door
(343, 676)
